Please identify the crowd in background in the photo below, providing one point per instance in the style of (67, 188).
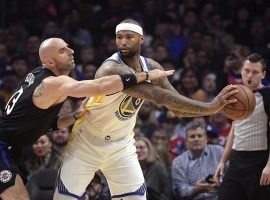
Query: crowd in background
(203, 40)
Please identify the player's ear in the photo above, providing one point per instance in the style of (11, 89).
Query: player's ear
(142, 39)
(50, 62)
(264, 73)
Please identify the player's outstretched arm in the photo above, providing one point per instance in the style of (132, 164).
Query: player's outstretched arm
(54, 88)
(161, 94)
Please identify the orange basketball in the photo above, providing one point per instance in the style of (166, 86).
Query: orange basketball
(244, 106)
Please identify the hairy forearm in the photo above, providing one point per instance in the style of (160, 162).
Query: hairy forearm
(168, 98)
(186, 114)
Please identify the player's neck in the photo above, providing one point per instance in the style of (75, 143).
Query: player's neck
(134, 62)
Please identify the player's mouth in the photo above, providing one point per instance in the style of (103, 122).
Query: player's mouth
(124, 49)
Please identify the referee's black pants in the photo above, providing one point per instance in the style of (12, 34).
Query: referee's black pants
(242, 179)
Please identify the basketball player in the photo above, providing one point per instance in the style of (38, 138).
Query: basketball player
(104, 139)
(248, 175)
(33, 109)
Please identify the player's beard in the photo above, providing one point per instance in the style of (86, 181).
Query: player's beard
(65, 67)
(130, 54)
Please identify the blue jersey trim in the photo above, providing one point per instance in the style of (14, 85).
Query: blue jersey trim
(140, 192)
(3, 149)
(110, 59)
(147, 64)
(63, 190)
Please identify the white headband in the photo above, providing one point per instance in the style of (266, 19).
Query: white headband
(129, 27)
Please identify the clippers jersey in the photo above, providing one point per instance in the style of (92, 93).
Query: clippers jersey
(22, 122)
(114, 115)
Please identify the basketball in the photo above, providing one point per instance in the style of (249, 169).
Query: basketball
(244, 106)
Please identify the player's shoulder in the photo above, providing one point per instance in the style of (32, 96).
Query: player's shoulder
(154, 64)
(56, 81)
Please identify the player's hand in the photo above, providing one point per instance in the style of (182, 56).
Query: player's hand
(157, 73)
(82, 111)
(265, 177)
(222, 99)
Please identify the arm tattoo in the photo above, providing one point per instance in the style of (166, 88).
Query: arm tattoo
(173, 101)
(162, 82)
(187, 114)
(39, 90)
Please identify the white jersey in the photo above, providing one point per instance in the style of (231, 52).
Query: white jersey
(113, 116)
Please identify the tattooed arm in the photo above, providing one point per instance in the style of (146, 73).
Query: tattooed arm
(160, 94)
(164, 83)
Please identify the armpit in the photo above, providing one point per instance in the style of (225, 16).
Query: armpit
(39, 90)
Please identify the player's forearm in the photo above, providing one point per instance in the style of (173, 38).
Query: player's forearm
(186, 114)
(168, 98)
(104, 85)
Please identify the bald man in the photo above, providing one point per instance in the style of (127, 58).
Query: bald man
(33, 109)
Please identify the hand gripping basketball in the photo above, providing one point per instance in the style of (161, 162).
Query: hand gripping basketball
(243, 107)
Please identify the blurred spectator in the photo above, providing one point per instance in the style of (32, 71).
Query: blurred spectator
(190, 169)
(4, 60)
(17, 29)
(59, 139)
(176, 42)
(87, 54)
(147, 119)
(203, 62)
(240, 26)
(222, 125)
(51, 29)
(161, 53)
(9, 84)
(12, 44)
(164, 156)
(155, 174)
(189, 58)
(19, 65)
(89, 70)
(44, 156)
(208, 45)
(190, 21)
(259, 38)
(95, 190)
(74, 32)
(209, 85)
(31, 54)
(189, 85)
(149, 52)
(195, 39)
(232, 71)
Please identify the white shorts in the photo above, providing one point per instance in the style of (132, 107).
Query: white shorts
(116, 159)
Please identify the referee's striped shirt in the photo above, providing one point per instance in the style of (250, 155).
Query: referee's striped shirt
(250, 134)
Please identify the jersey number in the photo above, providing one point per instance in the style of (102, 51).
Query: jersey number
(12, 101)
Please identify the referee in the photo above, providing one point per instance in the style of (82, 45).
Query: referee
(247, 148)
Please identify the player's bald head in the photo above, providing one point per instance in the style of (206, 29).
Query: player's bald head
(47, 46)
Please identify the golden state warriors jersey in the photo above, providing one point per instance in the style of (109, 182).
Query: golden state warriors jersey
(113, 116)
